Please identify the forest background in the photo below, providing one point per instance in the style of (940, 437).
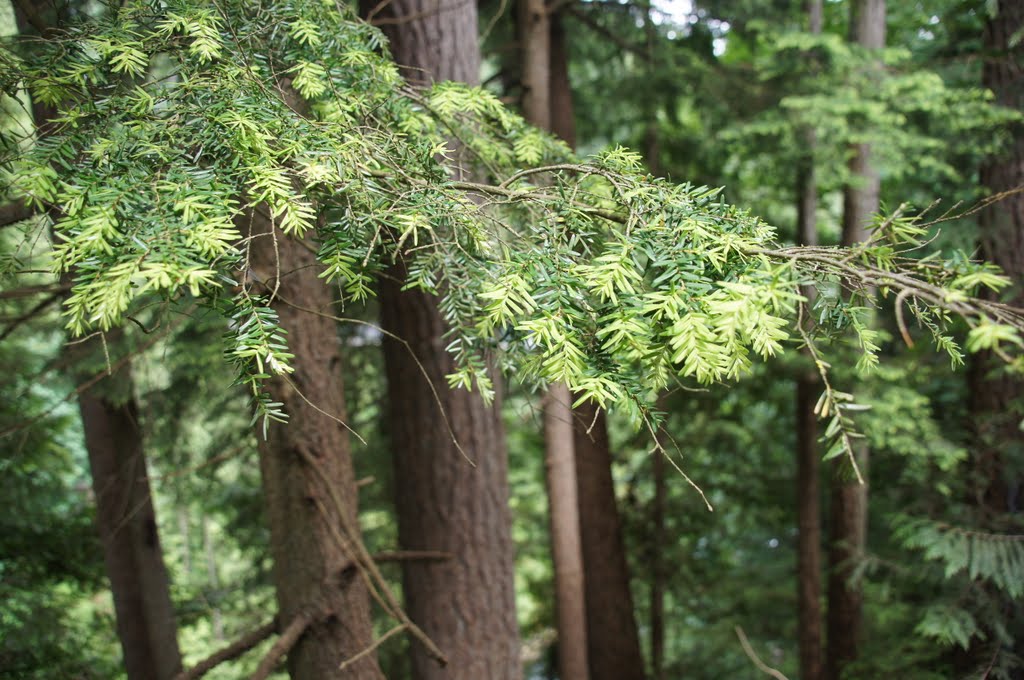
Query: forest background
(801, 118)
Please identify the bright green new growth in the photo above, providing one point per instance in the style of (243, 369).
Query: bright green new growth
(178, 122)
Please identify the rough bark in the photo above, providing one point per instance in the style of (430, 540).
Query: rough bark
(808, 458)
(613, 644)
(125, 518)
(311, 538)
(444, 501)
(564, 522)
(997, 398)
(848, 516)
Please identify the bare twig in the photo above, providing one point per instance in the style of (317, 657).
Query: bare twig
(752, 655)
(288, 638)
(373, 647)
(232, 651)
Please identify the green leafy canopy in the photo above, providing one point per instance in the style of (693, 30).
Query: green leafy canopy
(178, 122)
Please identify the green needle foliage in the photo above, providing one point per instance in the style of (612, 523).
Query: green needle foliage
(179, 122)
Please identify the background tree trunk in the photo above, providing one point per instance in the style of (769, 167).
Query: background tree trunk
(849, 498)
(128, 531)
(125, 518)
(564, 520)
(997, 397)
(445, 502)
(613, 644)
(808, 386)
(559, 456)
(302, 461)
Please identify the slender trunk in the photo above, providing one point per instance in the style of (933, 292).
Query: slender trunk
(306, 464)
(613, 643)
(128, 531)
(125, 518)
(559, 456)
(444, 501)
(808, 386)
(184, 529)
(564, 518)
(996, 396)
(848, 517)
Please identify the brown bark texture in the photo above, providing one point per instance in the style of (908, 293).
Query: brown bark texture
(564, 523)
(997, 398)
(125, 517)
(658, 566)
(808, 386)
(848, 516)
(613, 644)
(448, 500)
(306, 463)
(128, 531)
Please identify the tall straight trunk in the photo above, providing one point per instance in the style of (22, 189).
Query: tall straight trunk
(808, 386)
(559, 453)
(613, 643)
(848, 517)
(564, 521)
(444, 501)
(125, 517)
(996, 396)
(306, 465)
(128, 531)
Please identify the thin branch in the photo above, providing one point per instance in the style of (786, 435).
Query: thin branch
(29, 291)
(373, 647)
(412, 556)
(752, 655)
(30, 314)
(288, 638)
(231, 652)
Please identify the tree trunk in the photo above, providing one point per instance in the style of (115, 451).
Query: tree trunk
(306, 464)
(213, 580)
(125, 518)
(564, 519)
(849, 498)
(559, 456)
(808, 386)
(613, 644)
(446, 502)
(128, 531)
(996, 396)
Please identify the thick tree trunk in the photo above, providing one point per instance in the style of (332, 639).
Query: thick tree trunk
(306, 465)
(128, 532)
(446, 502)
(808, 386)
(613, 644)
(849, 498)
(125, 518)
(997, 398)
(559, 456)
